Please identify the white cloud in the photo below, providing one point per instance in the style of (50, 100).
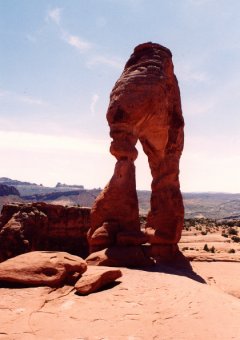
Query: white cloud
(94, 101)
(49, 159)
(210, 164)
(12, 96)
(77, 42)
(29, 141)
(54, 15)
(109, 61)
(189, 73)
(200, 2)
(73, 40)
(30, 100)
(3, 93)
(197, 106)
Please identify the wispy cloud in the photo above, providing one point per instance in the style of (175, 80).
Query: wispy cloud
(188, 72)
(94, 101)
(73, 40)
(31, 38)
(54, 15)
(197, 106)
(77, 42)
(24, 98)
(28, 141)
(200, 2)
(109, 61)
(83, 45)
(210, 164)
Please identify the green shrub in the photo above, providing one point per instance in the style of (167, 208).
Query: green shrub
(204, 232)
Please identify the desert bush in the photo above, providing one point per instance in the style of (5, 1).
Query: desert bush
(224, 235)
(231, 251)
(230, 223)
(204, 232)
(212, 250)
(206, 247)
(235, 238)
(232, 231)
(185, 248)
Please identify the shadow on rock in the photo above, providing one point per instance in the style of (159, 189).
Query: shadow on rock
(179, 266)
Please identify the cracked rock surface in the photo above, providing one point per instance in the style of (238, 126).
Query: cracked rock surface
(157, 304)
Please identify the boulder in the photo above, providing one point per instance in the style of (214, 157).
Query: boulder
(96, 278)
(41, 268)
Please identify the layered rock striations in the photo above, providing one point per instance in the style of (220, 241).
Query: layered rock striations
(144, 105)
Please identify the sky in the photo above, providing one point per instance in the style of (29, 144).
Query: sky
(59, 60)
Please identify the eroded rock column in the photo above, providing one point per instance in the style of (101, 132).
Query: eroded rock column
(115, 215)
(144, 105)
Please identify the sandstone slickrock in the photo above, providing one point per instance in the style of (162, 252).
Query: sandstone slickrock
(40, 268)
(41, 226)
(144, 105)
(96, 278)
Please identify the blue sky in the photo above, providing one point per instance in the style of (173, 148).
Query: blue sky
(60, 59)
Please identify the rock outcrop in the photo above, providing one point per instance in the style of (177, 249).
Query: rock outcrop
(41, 226)
(41, 268)
(96, 278)
(144, 105)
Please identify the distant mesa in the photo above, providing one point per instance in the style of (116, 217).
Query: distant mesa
(7, 190)
(9, 181)
(63, 185)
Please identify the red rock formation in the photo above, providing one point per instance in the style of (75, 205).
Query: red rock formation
(95, 279)
(40, 268)
(144, 105)
(41, 226)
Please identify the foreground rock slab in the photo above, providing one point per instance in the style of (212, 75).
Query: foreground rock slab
(146, 305)
(96, 278)
(41, 268)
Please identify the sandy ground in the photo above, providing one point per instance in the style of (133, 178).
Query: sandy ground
(161, 303)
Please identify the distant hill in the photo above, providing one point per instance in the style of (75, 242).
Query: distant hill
(6, 190)
(31, 189)
(197, 205)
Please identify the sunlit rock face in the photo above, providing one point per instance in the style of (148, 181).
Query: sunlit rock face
(144, 105)
(41, 226)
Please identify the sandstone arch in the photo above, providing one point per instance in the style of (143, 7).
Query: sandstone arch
(144, 105)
